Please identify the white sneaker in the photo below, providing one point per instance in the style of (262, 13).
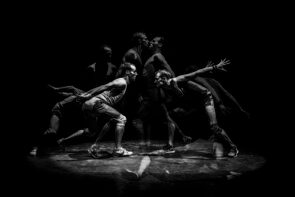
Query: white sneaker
(33, 152)
(122, 152)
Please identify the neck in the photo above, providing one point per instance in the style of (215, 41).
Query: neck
(157, 51)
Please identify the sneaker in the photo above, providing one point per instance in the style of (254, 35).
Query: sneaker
(33, 152)
(233, 152)
(168, 149)
(187, 139)
(122, 152)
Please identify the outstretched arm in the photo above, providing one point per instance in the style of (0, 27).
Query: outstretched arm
(189, 76)
(71, 90)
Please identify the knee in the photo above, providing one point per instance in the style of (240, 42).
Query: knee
(88, 133)
(171, 125)
(120, 120)
(208, 98)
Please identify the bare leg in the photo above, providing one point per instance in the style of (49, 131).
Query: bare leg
(213, 123)
(144, 129)
(185, 138)
(103, 131)
(51, 132)
(48, 137)
(119, 131)
(171, 127)
(217, 131)
(171, 131)
(138, 125)
(77, 134)
(147, 130)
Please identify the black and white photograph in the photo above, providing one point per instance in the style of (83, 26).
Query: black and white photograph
(143, 101)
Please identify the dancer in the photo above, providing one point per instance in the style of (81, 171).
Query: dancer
(185, 85)
(101, 106)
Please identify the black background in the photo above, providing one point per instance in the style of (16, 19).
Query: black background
(52, 43)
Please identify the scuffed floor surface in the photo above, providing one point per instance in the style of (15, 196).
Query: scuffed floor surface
(190, 168)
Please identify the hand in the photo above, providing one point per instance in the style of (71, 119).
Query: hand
(222, 63)
(209, 64)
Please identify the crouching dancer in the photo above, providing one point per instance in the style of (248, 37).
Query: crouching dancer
(99, 105)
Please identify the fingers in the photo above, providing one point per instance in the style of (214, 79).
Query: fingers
(225, 61)
(209, 64)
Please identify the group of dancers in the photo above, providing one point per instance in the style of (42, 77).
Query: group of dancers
(142, 90)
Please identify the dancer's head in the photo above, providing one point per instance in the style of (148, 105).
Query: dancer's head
(105, 53)
(157, 43)
(127, 70)
(140, 39)
(162, 78)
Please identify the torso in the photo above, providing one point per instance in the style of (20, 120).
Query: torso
(110, 97)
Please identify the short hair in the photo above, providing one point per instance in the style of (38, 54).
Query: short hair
(137, 38)
(164, 73)
(124, 67)
(160, 39)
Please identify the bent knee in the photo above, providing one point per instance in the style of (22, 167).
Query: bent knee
(88, 133)
(120, 120)
(208, 98)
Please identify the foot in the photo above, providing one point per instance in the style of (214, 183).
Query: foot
(187, 139)
(128, 174)
(233, 152)
(93, 151)
(33, 152)
(168, 148)
(61, 144)
(122, 152)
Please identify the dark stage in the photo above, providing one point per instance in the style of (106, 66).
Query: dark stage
(54, 47)
(191, 169)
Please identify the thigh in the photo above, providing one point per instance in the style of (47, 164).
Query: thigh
(105, 111)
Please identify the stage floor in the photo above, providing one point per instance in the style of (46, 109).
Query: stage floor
(191, 166)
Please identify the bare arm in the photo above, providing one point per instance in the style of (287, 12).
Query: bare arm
(95, 91)
(189, 76)
(66, 89)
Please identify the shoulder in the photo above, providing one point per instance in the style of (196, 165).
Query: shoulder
(159, 57)
(132, 53)
(120, 82)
